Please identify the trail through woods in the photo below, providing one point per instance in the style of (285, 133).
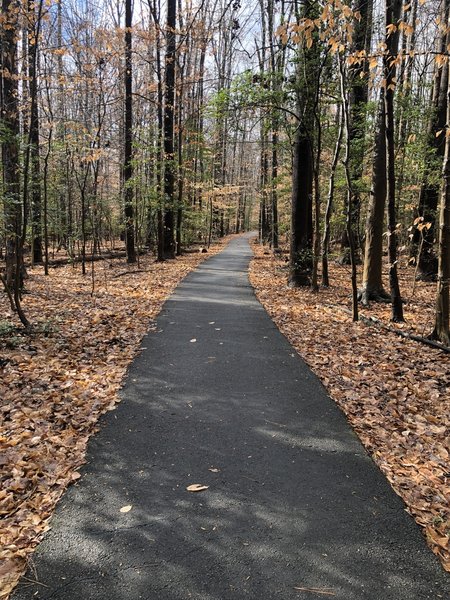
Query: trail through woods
(56, 383)
(395, 392)
(227, 472)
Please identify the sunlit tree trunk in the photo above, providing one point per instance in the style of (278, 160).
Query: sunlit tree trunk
(372, 283)
(441, 329)
(10, 156)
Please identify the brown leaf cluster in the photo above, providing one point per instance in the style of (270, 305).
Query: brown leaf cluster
(395, 392)
(57, 381)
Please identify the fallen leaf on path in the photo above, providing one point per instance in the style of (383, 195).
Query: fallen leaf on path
(197, 487)
(126, 509)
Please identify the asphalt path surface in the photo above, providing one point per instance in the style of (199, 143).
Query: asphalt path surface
(219, 398)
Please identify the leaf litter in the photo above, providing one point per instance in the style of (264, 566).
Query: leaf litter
(395, 392)
(56, 382)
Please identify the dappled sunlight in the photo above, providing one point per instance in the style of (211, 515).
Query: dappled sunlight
(307, 442)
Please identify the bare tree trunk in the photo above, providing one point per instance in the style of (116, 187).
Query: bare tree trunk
(393, 11)
(358, 79)
(441, 329)
(128, 132)
(301, 212)
(34, 21)
(429, 191)
(372, 284)
(329, 207)
(350, 195)
(10, 156)
(169, 157)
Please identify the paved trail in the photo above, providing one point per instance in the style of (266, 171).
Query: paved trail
(218, 397)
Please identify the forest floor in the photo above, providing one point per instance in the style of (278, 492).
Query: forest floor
(395, 392)
(56, 381)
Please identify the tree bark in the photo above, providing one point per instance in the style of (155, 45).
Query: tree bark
(169, 157)
(441, 329)
(393, 12)
(300, 264)
(36, 200)
(429, 191)
(372, 283)
(358, 77)
(128, 154)
(10, 156)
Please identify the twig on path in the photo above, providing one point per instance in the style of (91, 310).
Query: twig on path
(34, 581)
(274, 423)
(323, 591)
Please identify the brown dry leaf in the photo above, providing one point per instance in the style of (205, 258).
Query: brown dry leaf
(197, 487)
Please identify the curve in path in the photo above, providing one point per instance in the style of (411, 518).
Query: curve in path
(218, 397)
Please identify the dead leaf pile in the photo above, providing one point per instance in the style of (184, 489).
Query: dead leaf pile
(395, 392)
(57, 381)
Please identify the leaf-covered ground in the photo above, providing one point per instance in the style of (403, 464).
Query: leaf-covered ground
(56, 382)
(395, 392)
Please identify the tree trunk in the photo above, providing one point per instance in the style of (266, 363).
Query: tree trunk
(441, 330)
(329, 207)
(36, 201)
(358, 76)
(429, 191)
(393, 11)
(128, 154)
(10, 156)
(307, 81)
(372, 284)
(169, 158)
(10, 141)
(300, 264)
